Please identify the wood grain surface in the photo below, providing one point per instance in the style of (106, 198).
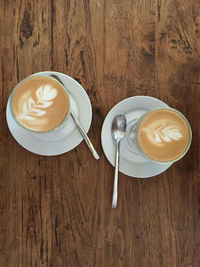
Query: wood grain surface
(56, 211)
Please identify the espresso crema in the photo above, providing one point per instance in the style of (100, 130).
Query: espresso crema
(163, 135)
(40, 103)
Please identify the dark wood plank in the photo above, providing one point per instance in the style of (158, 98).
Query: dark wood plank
(177, 82)
(56, 211)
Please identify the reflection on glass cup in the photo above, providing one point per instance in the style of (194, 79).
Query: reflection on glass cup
(40, 105)
(161, 135)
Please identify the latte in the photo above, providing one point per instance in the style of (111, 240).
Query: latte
(163, 135)
(39, 103)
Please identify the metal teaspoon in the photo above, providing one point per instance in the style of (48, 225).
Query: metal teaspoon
(118, 132)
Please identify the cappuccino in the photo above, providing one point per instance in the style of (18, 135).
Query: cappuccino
(164, 135)
(39, 103)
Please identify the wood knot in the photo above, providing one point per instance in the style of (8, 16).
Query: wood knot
(162, 35)
(26, 27)
(98, 114)
(31, 175)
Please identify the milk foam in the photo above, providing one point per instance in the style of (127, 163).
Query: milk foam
(163, 135)
(159, 133)
(40, 103)
(32, 109)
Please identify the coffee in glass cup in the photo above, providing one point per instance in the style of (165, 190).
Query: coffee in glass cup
(40, 104)
(163, 135)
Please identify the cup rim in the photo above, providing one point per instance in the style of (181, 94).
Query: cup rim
(30, 130)
(189, 141)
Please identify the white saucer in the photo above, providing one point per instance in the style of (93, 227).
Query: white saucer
(69, 137)
(131, 162)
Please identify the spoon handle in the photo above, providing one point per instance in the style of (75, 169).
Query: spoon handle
(115, 187)
(79, 125)
(84, 135)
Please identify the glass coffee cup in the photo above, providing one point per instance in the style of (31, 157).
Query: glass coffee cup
(161, 135)
(40, 105)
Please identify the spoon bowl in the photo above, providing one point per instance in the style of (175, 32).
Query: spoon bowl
(119, 127)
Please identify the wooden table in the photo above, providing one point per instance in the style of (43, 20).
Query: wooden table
(56, 211)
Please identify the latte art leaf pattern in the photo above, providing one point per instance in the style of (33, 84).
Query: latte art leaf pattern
(166, 134)
(33, 109)
(46, 93)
